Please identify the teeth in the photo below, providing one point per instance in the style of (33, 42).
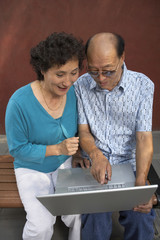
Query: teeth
(62, 88)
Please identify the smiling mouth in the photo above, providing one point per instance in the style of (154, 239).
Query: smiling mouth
(63, 88)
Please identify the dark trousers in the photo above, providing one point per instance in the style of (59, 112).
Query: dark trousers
(138, 226)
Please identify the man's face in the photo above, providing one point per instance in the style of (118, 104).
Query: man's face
(105, 67)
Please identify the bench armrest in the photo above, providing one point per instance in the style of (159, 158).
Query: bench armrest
(153, 178)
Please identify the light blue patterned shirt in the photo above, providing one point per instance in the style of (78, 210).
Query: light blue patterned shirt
(115, 116)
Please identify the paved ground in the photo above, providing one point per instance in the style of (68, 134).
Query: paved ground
(12, 220)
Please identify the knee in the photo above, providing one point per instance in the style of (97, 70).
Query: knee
(96, 226)
(136, 218)
(38, 230)
(71, 220)
(45, 227)
(97, 219)
(138, 225)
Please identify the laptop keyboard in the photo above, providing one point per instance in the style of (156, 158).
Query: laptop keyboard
(93, 188)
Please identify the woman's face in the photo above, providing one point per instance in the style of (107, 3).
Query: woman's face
(58, 80)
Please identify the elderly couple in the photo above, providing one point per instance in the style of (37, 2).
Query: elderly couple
(107, 112)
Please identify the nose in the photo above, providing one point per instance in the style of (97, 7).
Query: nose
(101, 77)
(68, 81)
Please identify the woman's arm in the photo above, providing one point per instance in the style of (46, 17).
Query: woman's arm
(19, 145)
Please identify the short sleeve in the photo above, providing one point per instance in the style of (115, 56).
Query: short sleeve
(80, 101)
(144, 114)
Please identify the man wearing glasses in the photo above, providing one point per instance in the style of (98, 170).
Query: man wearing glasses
(115, 124)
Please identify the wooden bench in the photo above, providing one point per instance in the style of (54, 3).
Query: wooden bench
(9, 196)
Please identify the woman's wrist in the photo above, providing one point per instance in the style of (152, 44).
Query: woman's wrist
(53, 150)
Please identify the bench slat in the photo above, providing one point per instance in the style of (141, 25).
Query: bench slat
(6, 171)
(7, 178)
(6, 158)
(11, 194)
(7, 165)
(8, 186)
(10, 203)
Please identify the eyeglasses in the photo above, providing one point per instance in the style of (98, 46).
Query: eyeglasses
(106, 73)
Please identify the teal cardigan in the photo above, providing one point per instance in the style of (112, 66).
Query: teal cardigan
(29, 129)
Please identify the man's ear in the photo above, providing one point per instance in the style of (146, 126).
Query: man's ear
(123, 56)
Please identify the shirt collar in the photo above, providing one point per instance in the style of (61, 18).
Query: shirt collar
(123, 83)
(93, 84)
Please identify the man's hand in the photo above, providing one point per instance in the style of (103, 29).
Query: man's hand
(143, 208)
(144, 153)
(101, 166)
(79, 161)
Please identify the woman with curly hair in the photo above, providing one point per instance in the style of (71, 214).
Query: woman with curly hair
(41, 125)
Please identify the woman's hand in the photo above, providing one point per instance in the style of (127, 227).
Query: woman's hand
(68, 146)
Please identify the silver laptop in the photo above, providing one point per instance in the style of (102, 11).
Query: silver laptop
(78, 192)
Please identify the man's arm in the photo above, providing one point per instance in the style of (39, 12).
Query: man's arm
(144, 153)
(100, 163)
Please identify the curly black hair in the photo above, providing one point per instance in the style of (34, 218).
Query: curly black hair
(56, 50)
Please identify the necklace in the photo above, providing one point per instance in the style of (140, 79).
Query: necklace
(41, 89)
